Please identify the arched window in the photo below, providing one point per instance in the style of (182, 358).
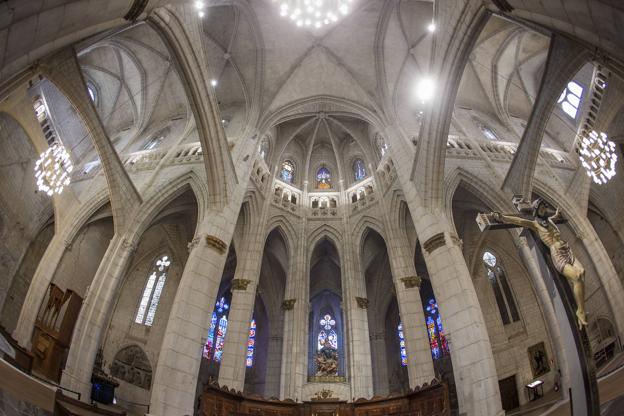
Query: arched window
(213, 349)
(381, 145)
(502, 292)
(323, 178)
(402, 344)
(359, 170)
(92, 92)
(570, 99)
(327, 338)
(251, 343)
(153, 290)
(488, 132)
(435, 330)
(263, 149)
(156, 139)
(287, 174)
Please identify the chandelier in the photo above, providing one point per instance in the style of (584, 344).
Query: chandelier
(597, 154)
(52, 169)
(314, 13)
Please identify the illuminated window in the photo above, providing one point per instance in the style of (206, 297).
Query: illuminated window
(323, 178)
(359, 169)
(264, 148)
(251, 344)
(92, 92)
(402, 344)
(381, 145)
(151, 294)
(502, 291)
(437, 340)
(287, 174)
(570, 99)
(213, 348)
(488, 133)
(327, 337)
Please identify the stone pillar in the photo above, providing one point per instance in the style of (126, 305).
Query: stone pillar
(175, 380)
(359, 369)
(379, 357)
(244, 286)
(471, 351)
(565, 58)
(296, 310)
(94, 316)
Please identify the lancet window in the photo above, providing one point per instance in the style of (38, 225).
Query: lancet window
(570, 99)
(435, 330)
(251, 344)
(502, 291)
(323, 178)
(402, 344)
(213, 349)
(152, 291)
(287, 174)
(359, 170)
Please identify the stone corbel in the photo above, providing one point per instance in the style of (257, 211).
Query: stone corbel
(361, 302)
(434, 243)
(128, 245)
(411, 281)
(288, 304)
(240, 284)
(216, 243)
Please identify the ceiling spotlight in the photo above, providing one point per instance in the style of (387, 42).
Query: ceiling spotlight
(432, 27)
(425, 89)
(213, 82)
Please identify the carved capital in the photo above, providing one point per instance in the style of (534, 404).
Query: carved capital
(361, 302)
(434, 243)
(216, 243)
(411, 281)
(193, 243)
(240, 284)
(128, 245)
(288, 304)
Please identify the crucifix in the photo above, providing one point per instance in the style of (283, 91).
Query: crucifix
(557, 264)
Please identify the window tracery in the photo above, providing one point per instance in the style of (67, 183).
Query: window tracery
(323, 178)
(152, 291)
(502, 291)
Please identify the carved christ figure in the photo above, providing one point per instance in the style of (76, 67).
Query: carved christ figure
(560, 252)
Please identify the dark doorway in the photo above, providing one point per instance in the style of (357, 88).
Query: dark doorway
(509, 393)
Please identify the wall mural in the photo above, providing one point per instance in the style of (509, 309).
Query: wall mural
(131, 365)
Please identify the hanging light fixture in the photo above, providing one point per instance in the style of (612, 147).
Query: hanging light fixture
(598, 157)
(52, 169)
(314, 13)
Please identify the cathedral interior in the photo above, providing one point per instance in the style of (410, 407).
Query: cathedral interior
(311, 207)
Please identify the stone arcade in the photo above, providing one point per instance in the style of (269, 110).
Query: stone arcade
(271, 204)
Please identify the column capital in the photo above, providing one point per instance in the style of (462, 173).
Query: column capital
(362, 302)
(240, 284)
(288, 304)
(411, 281)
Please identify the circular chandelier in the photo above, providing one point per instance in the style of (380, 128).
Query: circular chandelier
(52, 169)
(314, 13)
(597, 154)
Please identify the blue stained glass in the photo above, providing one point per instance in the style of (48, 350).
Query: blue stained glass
(223, 322)
(323, 178)
(210, 339)
(402, 344)
(251, 343)
(359, 170)
(437, 339)
(287, 173)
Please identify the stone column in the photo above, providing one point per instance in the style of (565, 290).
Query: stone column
(244, 286)
(295, 306)
(378, 347)
(565, 58)
(175, 380)
(357, 343)
(94, 316)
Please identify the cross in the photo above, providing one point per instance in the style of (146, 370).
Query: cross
(163, 263)
(327, 322)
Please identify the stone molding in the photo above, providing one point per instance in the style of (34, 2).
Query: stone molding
(288, 304)
(138, 7)
(411, 281)
(361, 302)
(216, 243)
(240, 284)
(193, 243)
(434, 243)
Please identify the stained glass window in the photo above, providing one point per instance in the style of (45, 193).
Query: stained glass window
(502, 291)
(437, 340)
(152, 291)
(323, 178)
(570, 99)
(382, 147)
(402, 344)
(327, 336)
(359, 170)
(287, 174)
(213, 349)
(264, 148)
(251, 343)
